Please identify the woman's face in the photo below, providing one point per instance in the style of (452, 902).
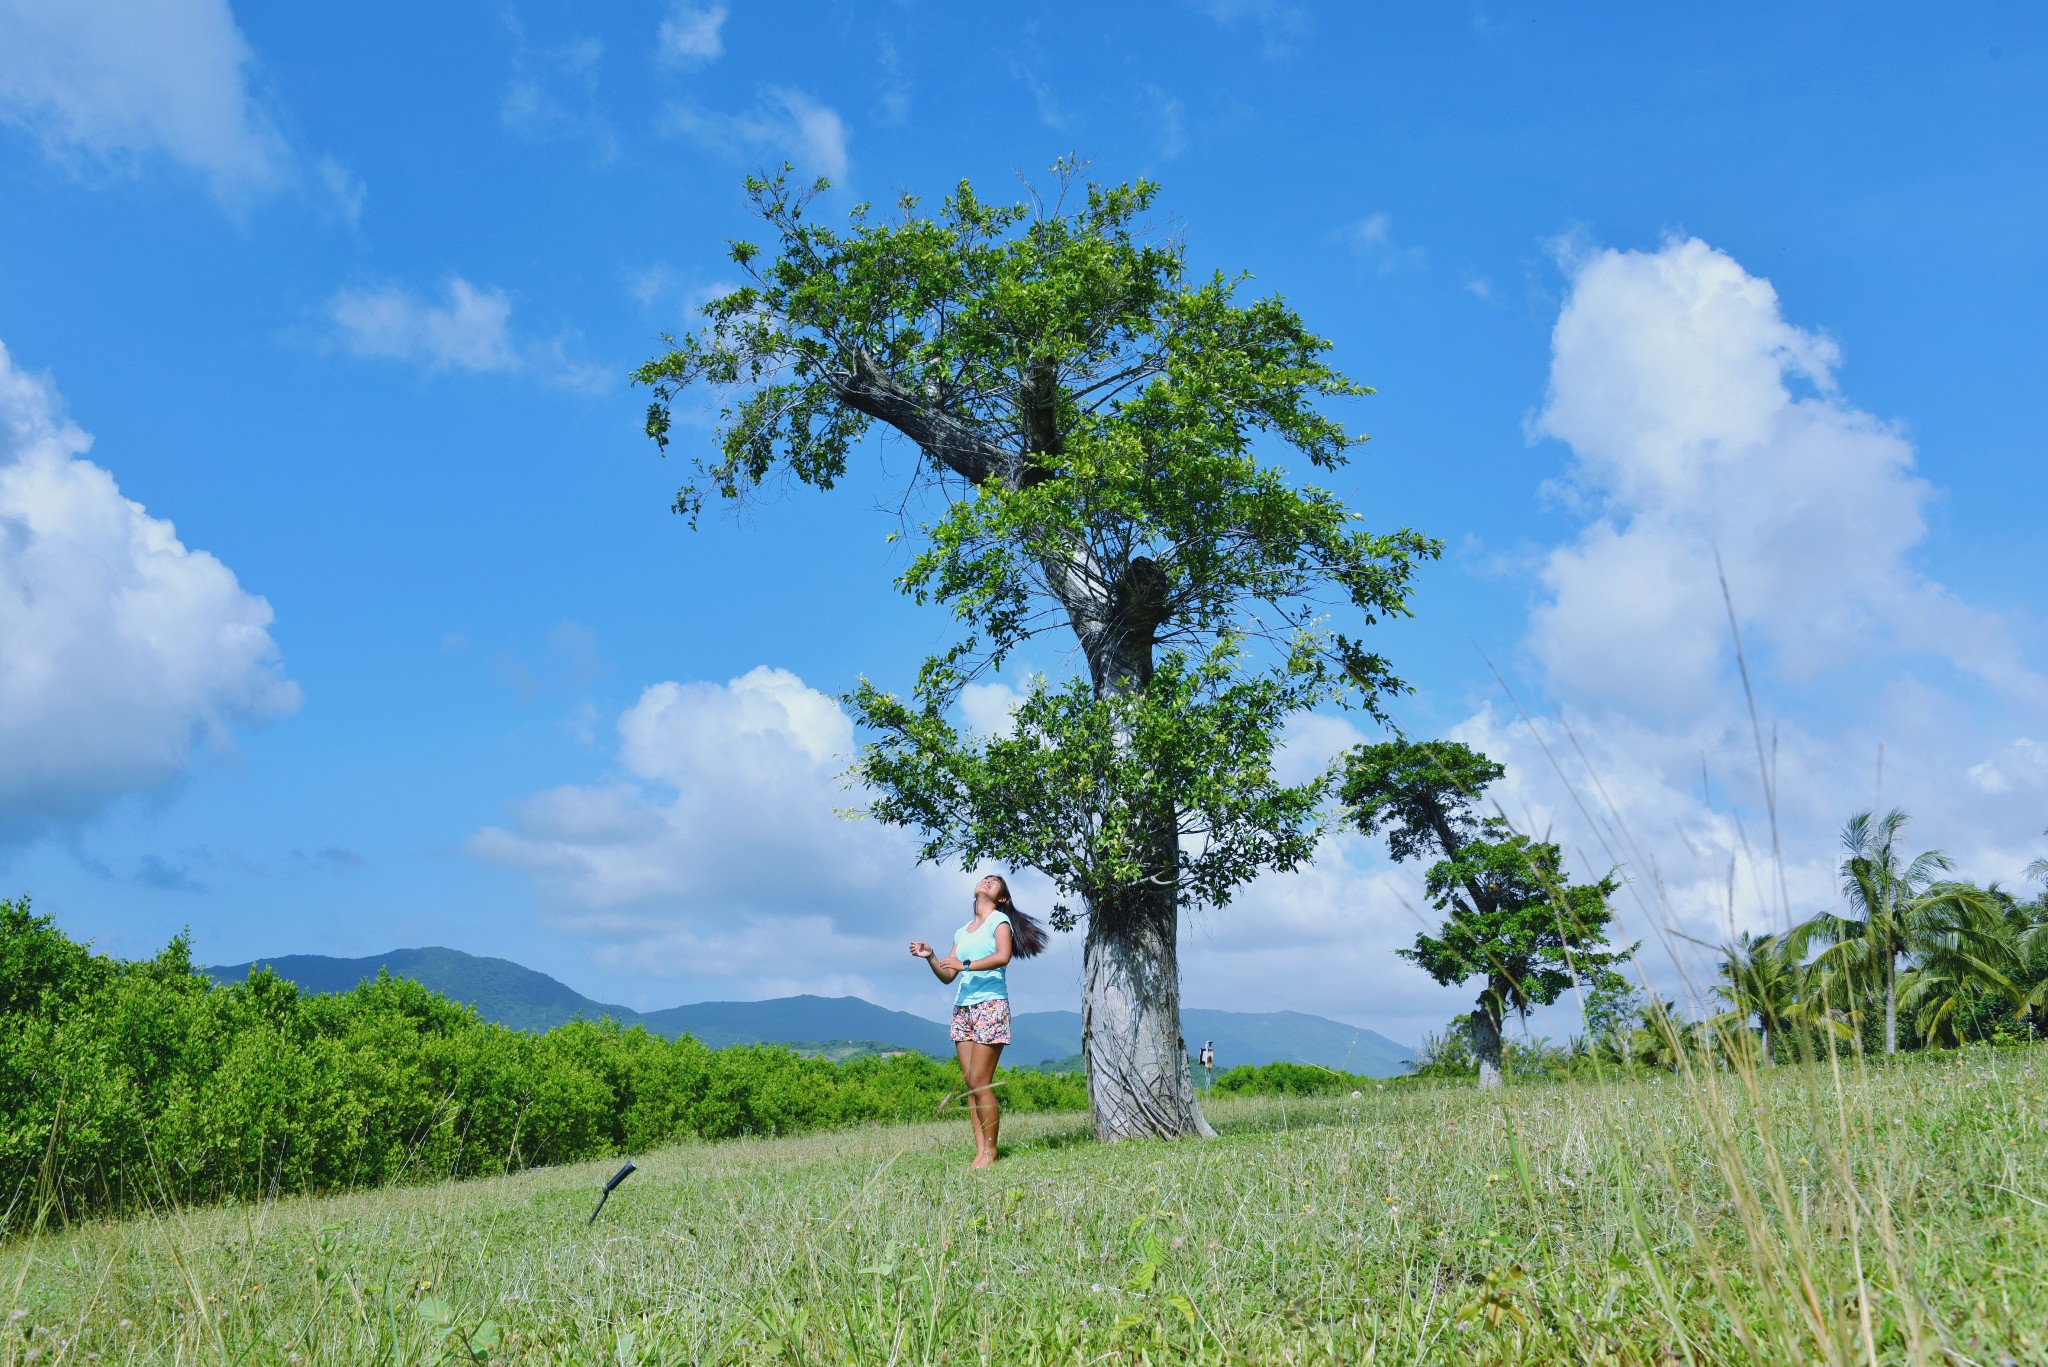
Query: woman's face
(988, 890)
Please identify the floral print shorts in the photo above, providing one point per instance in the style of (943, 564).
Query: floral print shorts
(982, 1023)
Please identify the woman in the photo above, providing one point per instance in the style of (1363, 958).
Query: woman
(981, 952)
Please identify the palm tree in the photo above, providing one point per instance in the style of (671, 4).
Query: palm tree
(1968, 952)
(1894, 902)
(1662, 1038)
(1761, 982)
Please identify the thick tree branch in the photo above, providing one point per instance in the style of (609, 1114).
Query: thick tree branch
(865, 388)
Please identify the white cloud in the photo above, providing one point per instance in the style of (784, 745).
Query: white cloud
(126, 651)
(2021, 766)
(892, 105)
(1282, 24)
(989, 708)
(343, 189)
(1700, 419)
(785, 122)
(113, 83)
(471, 331)
(1322, 940)
(1044, 99)
(1373, 237)
(646, 286)
(723, 820)
(1170, 116)
(553, 96)
(690, 32)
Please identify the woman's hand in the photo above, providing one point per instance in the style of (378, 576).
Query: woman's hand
(920, 949)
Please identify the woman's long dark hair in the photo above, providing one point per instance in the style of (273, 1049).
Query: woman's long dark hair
(1027, 936)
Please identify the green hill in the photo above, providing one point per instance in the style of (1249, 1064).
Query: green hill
(524, 999)
(500, 990)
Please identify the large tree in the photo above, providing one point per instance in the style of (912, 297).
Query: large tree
(1513, 919)
(1090, 418)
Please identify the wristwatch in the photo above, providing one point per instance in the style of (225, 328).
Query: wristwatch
(964, 966)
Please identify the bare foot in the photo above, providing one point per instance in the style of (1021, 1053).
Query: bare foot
(982, 1160)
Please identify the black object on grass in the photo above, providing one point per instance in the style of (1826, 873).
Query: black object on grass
(621, 1175)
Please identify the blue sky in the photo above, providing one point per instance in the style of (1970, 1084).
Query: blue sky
(389, 638)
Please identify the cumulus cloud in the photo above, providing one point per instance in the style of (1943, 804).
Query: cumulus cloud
(1709, 434)
(1701, 420)
(109, 83)
(2021, 766)
(126, 651)
(691, 32)
(720, 838)
(785, 123)
(470, 330)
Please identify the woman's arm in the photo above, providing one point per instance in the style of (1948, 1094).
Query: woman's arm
(947, 968)
(1002, 954)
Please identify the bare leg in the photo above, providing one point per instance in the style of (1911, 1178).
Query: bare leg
(967, 1067)
(978, 1065)
(992, 1113)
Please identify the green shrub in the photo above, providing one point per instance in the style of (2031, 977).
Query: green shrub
(1289, 1079)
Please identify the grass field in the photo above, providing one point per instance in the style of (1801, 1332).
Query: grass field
(1895, 1215)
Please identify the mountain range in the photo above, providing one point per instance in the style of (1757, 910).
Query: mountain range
(524, 999)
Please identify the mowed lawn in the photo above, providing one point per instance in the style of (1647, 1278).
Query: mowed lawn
(1893, 1214)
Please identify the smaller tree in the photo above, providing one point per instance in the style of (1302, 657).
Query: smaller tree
(1513, 919)
(1760, 981)
(1612, 1007)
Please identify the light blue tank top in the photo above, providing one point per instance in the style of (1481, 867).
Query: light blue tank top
(985, 984)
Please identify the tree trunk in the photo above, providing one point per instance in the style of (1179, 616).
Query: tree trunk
(1139, 1081)
(1486, 1046)
(1770, 1055)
